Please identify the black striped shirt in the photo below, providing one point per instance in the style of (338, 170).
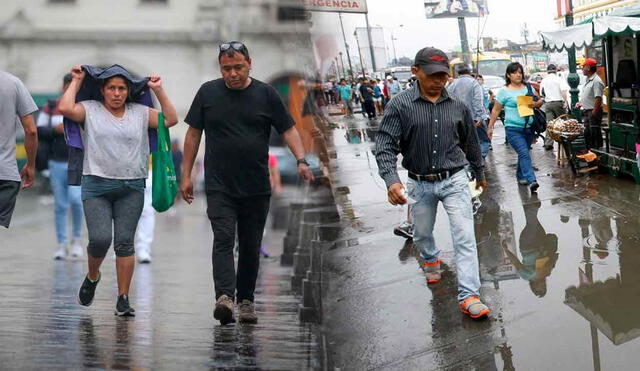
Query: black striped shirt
(432, 137)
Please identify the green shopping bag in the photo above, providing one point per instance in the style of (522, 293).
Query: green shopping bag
(164, 183)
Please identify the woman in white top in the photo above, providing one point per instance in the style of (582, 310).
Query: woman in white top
(116, 153)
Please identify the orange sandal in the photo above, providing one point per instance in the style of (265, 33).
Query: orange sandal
(433, 271)
(474, 308)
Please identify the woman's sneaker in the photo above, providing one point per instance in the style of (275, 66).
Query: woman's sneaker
(533, 187)
(88, 290)
(223, 311)
(76, 248)
(404, 230)
(123, 309)
(61, 252)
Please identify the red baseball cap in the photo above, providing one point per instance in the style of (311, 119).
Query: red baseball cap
(590, 62)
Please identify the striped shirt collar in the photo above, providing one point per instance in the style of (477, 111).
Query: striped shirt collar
(416, 94)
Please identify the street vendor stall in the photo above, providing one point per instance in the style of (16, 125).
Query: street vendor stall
(622, 49)
(621, 55)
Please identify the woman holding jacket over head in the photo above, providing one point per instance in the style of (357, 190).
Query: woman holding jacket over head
(116, 162)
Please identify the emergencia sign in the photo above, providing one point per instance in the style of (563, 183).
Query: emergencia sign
(343, 6)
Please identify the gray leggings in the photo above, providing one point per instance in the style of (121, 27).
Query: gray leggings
(115, 213)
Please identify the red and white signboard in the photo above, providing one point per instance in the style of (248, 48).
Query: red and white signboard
(563, 7)
(337, 6)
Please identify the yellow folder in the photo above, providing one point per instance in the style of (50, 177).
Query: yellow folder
(523, 105)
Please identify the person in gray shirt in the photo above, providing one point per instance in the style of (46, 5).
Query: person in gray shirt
(15, 103)
(469, 91)
(591, 104)
(116, 164)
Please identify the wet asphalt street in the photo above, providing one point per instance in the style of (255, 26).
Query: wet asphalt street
(559, 271)
(43, 328)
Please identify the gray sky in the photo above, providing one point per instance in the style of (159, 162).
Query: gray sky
(505, 20)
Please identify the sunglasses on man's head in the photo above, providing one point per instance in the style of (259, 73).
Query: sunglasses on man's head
(236, 45)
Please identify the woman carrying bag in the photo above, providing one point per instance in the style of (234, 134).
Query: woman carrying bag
(116, 153)
(519, 133)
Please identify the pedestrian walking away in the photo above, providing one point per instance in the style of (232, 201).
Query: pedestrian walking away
(393, 86)
(469, 91)
(377, 96)
(51, 134)
(345, 94)
(236, 113)
(366, 94)
(554, 91)
(15, 104)
(519, 135)
(591, 104)
(115, 165)
(437, 138)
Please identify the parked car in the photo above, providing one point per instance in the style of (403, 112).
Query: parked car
(288, 166)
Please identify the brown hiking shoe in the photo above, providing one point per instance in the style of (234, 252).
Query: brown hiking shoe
(433, 272)
(223, 311)
(247, 312)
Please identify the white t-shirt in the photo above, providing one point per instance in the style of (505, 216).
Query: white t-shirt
(15, 102)
(553, 86)
(116, 148)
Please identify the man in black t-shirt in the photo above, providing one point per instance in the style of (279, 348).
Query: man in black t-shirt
(236, 113)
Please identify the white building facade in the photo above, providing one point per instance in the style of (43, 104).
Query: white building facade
(40, 40)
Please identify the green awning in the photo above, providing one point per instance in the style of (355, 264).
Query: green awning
(583, 34)
(607, 26)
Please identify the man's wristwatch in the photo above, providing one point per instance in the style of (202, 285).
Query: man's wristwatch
(302, 161)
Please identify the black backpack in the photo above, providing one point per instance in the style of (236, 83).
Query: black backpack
(537, 121)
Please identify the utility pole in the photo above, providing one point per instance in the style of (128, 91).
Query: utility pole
(342, 63)
(395, 57)
(346, 46)
(373, 57)
(462, 26)
(573, 79)
(355, 33)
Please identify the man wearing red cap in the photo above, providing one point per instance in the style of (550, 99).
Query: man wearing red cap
(591, 104)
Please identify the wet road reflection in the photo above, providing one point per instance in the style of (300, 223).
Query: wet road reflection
(43, 327)
(559, 271)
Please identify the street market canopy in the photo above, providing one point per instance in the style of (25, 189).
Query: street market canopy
(609, 307)
(583, 34)
(573, 36)
(607, 26)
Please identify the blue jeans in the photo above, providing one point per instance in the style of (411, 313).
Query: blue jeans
(521, 139)
(455, 196)
(483, 137)
(65, 196)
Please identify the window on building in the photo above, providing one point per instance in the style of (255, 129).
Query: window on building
(288, 13)
(62, 1)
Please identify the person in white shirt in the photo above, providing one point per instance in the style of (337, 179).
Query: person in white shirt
(554, 90)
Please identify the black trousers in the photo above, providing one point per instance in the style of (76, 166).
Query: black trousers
(370, 108)
(247, 215)
(592, 129)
